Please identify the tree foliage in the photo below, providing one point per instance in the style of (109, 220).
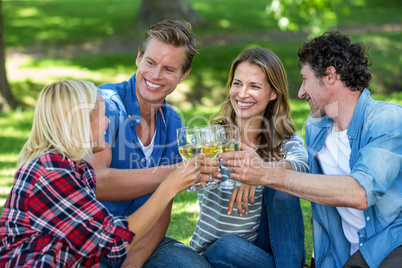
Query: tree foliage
(314, 16)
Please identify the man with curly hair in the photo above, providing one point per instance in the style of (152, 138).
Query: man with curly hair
(355, 152)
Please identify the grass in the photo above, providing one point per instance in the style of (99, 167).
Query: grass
(97, 40)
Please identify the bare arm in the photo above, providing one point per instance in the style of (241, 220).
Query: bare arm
(143, 220)
(329, 190)
(117, 184)
(343, 191)
(143, 249)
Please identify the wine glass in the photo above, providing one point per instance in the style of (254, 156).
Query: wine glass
(209, 145)
(229, 141)
(188, 141)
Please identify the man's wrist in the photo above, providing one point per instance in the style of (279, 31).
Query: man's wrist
(267, 173)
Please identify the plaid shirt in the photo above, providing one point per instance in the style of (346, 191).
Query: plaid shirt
(52, 218)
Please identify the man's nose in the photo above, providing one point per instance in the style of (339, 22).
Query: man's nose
(156, 72)
(302, 93)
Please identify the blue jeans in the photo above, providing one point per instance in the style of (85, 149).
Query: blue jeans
(170, 253)
(280, 241)
(237, 252)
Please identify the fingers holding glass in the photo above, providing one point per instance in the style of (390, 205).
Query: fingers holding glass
(209, 147)
(188, 141)
(229, 141)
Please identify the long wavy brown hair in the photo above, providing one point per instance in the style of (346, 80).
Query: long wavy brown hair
(277, 124)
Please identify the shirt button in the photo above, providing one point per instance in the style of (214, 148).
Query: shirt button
(138, 120)
(368, 218)
(361, 244)
(143, 160)
(129, 115)
(361, 235)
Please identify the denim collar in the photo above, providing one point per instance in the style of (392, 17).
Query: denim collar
(357, 120)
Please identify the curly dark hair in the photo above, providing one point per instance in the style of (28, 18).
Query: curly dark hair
(334, 48)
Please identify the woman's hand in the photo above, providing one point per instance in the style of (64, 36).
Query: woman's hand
(241, 196)
(187, 173)
(209, 166)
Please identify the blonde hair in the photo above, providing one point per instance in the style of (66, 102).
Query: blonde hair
(277, 125)
(62, 122)
(173, 32)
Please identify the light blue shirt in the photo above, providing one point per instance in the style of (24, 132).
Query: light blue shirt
(123, 111)
(375, 137)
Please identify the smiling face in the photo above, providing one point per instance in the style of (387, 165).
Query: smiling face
(159, 71)
(314, 91)
(99, 123)
(250, 91)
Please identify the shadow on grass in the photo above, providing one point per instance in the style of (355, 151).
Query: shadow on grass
(8, 165)
(11, 145)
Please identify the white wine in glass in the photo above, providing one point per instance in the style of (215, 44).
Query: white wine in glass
(229, 146)
(209, 143)
(188, 141)
(189, 151)
(229, 141)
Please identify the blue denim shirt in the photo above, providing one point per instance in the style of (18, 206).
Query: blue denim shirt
(123, 111)
(375, 137)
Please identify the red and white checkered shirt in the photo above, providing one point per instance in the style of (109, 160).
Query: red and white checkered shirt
(52, 218)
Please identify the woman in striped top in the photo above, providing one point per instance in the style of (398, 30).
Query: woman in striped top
(265, 228)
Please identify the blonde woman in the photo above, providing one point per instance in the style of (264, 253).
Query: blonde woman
(265, 228)
(51, 217)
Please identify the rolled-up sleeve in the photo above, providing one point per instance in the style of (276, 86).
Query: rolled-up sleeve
(296, 153)
(113, 114)
(379, 162)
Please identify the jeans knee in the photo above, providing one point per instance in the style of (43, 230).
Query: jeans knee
(224, 248)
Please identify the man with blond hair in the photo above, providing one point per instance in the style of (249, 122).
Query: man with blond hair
(141, 148)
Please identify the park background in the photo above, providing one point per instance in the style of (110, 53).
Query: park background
(97, 40)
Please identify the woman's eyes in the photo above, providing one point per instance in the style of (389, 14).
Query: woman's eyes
(251, 86)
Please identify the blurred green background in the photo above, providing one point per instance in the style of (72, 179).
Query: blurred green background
(97, 40)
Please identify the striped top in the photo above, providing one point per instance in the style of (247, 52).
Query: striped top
(214, 222)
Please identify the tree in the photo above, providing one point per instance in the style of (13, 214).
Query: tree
(7, 100)
(316, 16)
(152, 11)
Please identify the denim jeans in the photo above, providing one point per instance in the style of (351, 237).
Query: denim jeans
(237, 252)
(280, 241)
(170, 253)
